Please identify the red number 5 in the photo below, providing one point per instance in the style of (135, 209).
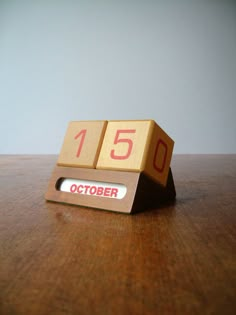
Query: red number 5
(118, 139)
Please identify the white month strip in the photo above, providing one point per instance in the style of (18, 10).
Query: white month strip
(93, 188)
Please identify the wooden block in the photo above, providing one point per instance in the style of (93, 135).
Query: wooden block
(138, 146)
(100, 189)
(124, 145)
(159, 155)
(82, 143)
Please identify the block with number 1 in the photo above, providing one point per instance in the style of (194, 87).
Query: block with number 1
(82, 143)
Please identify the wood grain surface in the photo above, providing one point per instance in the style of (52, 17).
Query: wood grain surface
(59, 259)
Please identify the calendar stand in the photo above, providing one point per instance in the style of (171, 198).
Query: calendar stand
(141, 192)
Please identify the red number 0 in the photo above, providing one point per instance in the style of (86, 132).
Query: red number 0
(82, 133)
(160, 169)
(122, 140)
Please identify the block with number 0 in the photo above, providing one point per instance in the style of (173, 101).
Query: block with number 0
(139, 146)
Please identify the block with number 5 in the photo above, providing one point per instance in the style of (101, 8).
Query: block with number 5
(138, 146)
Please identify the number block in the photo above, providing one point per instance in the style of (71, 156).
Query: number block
(82, 143)
(139, 146)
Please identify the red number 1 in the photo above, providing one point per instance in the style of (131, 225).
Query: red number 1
(117, 139)
(82, 133)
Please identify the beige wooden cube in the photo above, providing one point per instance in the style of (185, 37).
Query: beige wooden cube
(82, 143)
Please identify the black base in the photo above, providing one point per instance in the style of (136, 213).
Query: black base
(150, 195)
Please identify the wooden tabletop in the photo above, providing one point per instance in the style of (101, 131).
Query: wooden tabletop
(61, 259)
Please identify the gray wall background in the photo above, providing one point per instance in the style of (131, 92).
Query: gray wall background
(172, 61)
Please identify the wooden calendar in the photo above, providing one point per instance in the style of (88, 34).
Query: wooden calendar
(121, 166)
